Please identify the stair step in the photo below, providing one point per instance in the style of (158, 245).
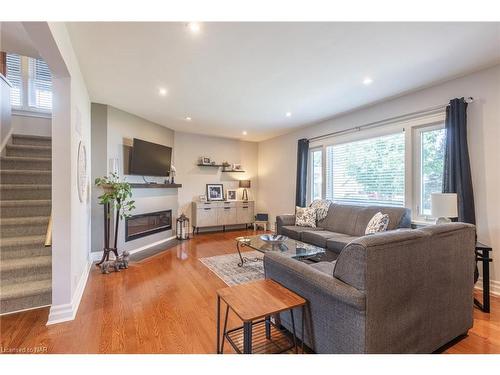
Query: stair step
(28, 150)
(24, 191)
(21, 162)
(24, 241)
(16, 270)
(20, 208)
(31, 140)
(23, 226)
(25, 295)
(13, 176)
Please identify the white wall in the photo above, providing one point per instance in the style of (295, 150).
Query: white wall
(122, 128)
(70, 125)
(187, 150)
(32, 125)
(277, 156)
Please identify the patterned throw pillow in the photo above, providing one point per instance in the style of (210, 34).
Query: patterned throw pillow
(305, 217)
(378, 223)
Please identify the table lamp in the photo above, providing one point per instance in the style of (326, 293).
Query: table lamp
(245, 184)
(444, 207)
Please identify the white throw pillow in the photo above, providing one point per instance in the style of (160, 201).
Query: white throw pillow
(305, 217)
(378, 223)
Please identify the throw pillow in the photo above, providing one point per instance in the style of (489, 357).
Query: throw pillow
(305, 217)
(378, 223)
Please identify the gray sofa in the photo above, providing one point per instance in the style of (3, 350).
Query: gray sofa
(404, 291)
(342, 224)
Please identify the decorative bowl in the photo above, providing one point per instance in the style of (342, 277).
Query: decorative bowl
(273, 239)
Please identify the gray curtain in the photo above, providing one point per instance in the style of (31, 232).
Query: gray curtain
(302, 156)
(457, 176)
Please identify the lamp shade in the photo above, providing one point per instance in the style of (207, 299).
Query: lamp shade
(244, 183)
(444, 205)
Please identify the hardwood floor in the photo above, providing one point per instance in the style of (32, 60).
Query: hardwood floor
(166, 304)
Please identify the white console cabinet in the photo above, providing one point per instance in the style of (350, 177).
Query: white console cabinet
(222, 214)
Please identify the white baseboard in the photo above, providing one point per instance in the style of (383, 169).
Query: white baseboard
(6, 140)
(494, 286)
(98, 254)
(66, 312)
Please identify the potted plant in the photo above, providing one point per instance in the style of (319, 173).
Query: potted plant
(117, 195)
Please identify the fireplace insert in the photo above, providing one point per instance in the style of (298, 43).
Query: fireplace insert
(142, 225)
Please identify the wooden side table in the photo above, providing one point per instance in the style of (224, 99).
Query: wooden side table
(254, 303)
(483, 256)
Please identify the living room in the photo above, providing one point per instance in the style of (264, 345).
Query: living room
(256, 188)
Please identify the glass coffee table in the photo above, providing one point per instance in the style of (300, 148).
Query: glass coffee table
(290, 247)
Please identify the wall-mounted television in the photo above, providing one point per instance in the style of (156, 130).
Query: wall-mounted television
(150, 159)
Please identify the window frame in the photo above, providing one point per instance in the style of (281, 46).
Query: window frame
(310, 174)
(26, 96)
(417, 165)
(422, 121)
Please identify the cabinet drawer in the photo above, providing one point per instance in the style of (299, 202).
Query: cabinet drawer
(206, 217)
(245, 214)
(227, 204)
(246, 204)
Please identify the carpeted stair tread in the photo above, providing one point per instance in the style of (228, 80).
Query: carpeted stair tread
(28, 147)
(25, 158)
(25, 187)
(9, 265)
(26, 172)
(24, 220)
(21, 137)
(26, 203)
(22, 241)
(24, 289)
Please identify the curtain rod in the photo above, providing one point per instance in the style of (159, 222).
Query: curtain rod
(387, 121)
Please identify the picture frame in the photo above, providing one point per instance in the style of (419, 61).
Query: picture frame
(205, 160)
(203, 198)
(215, 192)
(232, 195)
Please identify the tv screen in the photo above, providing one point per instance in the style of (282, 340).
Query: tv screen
(150, 159)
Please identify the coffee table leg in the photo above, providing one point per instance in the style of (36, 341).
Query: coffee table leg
(247, 338)
(268, 328)
(239, 253)
(294, 334)
(218, 324)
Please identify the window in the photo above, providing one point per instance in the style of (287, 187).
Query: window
(430, 164)
(316, 174)
(368, 171)
(31, 83)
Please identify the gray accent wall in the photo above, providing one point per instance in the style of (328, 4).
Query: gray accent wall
(99, 135)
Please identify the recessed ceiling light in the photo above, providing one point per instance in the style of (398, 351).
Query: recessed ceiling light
(367, 81)
(188, 118)
(288, 114)
(195, 27)
(162, 91)
(244, 132)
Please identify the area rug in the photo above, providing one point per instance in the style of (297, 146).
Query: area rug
(226, 267)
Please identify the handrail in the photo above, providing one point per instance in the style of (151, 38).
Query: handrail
(48, 235)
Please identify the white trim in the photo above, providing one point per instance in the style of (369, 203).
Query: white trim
(6, 140)
(30, 113)
(66, 312)
(97, 255)
(24, 310)
(494, 286)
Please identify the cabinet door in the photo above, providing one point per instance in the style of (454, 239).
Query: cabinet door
(227, 215)
(206, 217)
(245, 214)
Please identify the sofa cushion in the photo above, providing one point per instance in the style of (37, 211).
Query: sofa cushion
(341, 218)
(325, 267)
(338, 241)
(305, 216)
(398, 217)
(317, 237)
(295, 232)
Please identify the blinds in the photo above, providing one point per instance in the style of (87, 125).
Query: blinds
(14, 75)
(369, 171)
(40, 84)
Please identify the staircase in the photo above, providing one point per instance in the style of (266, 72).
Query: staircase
(25, 206)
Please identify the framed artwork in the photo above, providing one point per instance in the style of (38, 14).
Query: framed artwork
(205, 160)
(215, 192)
(232, 194)
(82, 172)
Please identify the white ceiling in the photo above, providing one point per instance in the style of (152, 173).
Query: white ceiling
(232, 77)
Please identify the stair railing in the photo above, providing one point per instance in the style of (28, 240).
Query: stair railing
(48, 234)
